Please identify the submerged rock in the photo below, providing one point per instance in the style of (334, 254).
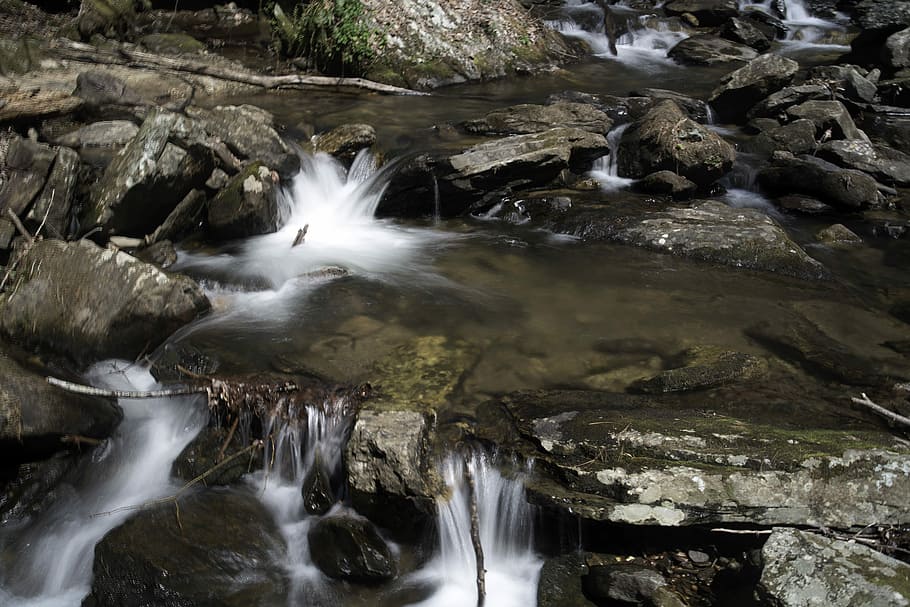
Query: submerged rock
(704, 368)
(350, 548)
(802, 568)
(528, 118)
(87, 302)
(743, 88)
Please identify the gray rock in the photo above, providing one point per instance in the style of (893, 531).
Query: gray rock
(350, 548)
(705, 367)
(247, 206)
(708, 12)
(744, 32)
(110, 18)
(346, 140)
(886, 164)
(632, 584)
(743, 88)
(220, 551)
(803, 569)
(667, 183)
(665, 139)
(51, 210)
(705, 49)
(105, 96)
(777, 103)
(560, 583)
(171, 44)
(846, 80)
(183, 220)
(162, 253)
(88, 302)
(831, 118)
(841, 188)
(250, 134)
(769, 25)
(882, 14)
(35, 415)
(887, 124)
(697, 109)
(107, 133)
(797, 137)
(837, 234)
(803, 204)
(897, 50)
(712, 231)
(27, 166)
(148, 178)
(529, 118)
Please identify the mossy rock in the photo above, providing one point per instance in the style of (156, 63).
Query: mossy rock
(172, 44)
(19, 56)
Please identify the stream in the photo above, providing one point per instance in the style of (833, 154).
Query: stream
(535, 307)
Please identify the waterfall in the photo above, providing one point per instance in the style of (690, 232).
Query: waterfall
(606, 168)
(805, 30)
(55, 552)
(506, 534)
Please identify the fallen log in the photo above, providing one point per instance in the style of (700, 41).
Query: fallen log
(28, 104)
(77, 51)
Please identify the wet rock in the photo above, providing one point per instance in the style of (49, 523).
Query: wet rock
(797, 137)
(704, 367)
(708, 12)
(632, 584)
(743, 88)
(221, 551)
(27, 167)
(769, 25)
(183, 220)
(886, 164)
(171, 44)
(249, 133)
(147, 179)
(704, 49)
(802, 568)
(201, 456)
(665, 139)
(350, 548)
(646, 461)
(846, 80)
(162, 253)
(841, 188)
(100, 140)
(618, 109)
(110, 18)
(803, 204)
(837, 234)
(696, 109)
(35, 416)
(346, 140)
(777, 103)
(560, 583)
(831, 119)
(34, 487)
(897, 50)
(247, 206)
(318, 496)
(882, 14)
(712, 231)
(667, 183)
(87, 302)
(171, 361)
(529, 118)
(744, 32)
(50, 211)
(888, 124)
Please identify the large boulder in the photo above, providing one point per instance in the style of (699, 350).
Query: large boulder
(776, 104)
(149, 177)
(247, 205)
(350, 548)
(705, 49)
(886, 164)
(842, 188)
(743, 31)
(87, 302)
(831, 118)
(743, 88)
(221, 550)
(666, 139)
(803, 569)
(897, 50)
(530, 118)
(630, 584)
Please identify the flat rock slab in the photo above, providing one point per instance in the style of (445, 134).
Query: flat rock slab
(529, 118)
(803, 569)
(639, 460)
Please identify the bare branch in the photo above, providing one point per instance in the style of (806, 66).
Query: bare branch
(91, 391)
(889, 415)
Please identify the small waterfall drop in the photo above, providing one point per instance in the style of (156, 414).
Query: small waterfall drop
(606, 168)
(805, 30)
(506, 534)
(55, 553)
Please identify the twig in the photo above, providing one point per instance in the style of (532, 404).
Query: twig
(78, 440)
(890, 415)
(475, 534)
(301, 234)
(743, 531)
(19, 227)
(91, 391)
(227, 441)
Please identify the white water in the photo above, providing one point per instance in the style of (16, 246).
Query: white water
(506, 535)
(606, 168)
(806, 30)
(56, 551)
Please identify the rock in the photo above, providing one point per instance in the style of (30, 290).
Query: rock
(696, 109)
(250, 134)
(34, 415)
(657, 463)
(744, 32)
(88, 302)
(769, 25)
(667, 183)
(183, 220)
(712, 231)
(529, 118)
(709, 13)
(882, 14)
(27, 166)
(19, 56)
(170, 362)
(34, 487)
(846, 80)
(743, 88)
(346, 140)
(888, 124)
(247, 206)
(837, 234)
(705, 49)
(828, 116)
(105, 96)
(897, 50)
(221, 551)
(171, 44)
(802, 568)
(100, 140)
(797, 137)
(350, 548)
(629, 583)
(560, 583)
(147, 178)
(803, 204)
(885, 164)
(162, 253)
(703, 368)
(428, 45)
(318, 496)
(201, 456)
(665, 139)
(226, 22)
(51, 210)
(776, 103)
(841, 188)
(618, 109)
(110, 18)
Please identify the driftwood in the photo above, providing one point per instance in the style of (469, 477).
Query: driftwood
(891, 416)
(28, 104)
(301, 234)
(76, 51)
(475, 534)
